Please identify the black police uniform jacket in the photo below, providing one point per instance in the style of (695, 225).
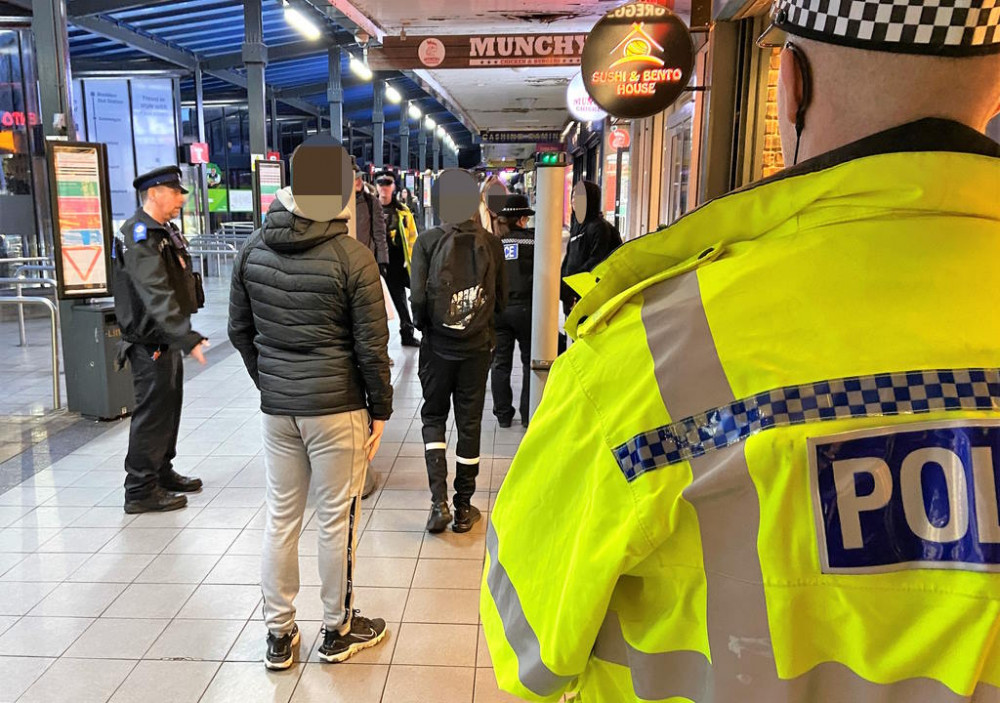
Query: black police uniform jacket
(307, 315)
(519, 261)
(155, 290)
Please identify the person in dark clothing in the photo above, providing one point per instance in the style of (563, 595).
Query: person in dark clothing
(590, 243)
(401, 233)
(371, 222)
(459, 285)
(156, 293)
(514, 323)
(307, 315)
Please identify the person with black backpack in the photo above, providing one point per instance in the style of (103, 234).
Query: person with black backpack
(458, 285)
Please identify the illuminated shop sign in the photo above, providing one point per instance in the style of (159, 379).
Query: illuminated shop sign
(10, 118)
(477, 51)
(637, 60)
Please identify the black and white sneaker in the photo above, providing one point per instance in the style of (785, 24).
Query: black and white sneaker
(364, 633)
(281, 650)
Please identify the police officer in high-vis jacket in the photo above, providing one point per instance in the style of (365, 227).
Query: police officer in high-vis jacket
(767, 470)
(156, 292)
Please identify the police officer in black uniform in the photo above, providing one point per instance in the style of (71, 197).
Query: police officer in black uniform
(514, 323)
(156, 292)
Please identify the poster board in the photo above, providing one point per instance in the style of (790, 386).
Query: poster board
(153, 128)
(268, 179)
(109, 121)
(81, 215)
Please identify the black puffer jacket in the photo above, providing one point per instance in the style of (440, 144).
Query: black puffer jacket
(590, 243)
(307, 314)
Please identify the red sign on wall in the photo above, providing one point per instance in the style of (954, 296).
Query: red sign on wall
(273, 156)
(619, 138)
(17, 119)
(198, 153)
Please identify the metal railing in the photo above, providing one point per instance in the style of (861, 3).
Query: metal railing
(54, 326)
(18, 280)
(205, 246)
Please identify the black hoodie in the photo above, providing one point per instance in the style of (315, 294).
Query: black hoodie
(306, 312)
(590, 243)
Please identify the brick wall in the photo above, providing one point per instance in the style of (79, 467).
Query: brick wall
(773, 161)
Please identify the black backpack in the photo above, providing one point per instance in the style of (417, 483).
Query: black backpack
(461, 285)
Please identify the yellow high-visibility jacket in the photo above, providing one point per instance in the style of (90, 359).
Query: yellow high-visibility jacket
(767, 471)
(408, 225)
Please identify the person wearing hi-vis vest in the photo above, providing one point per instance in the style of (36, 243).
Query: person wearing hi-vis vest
(767, 470)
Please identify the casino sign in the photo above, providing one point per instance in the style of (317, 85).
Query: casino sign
(637, 60)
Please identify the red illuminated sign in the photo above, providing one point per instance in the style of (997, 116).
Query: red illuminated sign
(198, 153)
(619, 138)
(18, 119)
(273, 156)
(637, 60)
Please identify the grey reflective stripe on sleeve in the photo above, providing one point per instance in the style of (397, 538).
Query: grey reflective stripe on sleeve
(531, 670)
(658, 675)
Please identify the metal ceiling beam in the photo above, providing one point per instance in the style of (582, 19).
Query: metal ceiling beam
(274, 53)
(84, 66)
(85, 8)
(302, 90)
(148, 45)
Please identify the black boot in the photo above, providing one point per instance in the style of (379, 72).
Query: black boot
(439, 518)
(465, 517)
(158, 501)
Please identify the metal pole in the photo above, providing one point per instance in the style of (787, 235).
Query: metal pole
(55, 79)
(275, 126)
(378, 124)
(550, 182)
(422, 148)
(199, 106)
(404, 135)
(255, 59)
(436, 161)
(335, 93)
(22, 332)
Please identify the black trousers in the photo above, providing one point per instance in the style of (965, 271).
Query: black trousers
(462, 382)
(513, 325)
(396, 282)
(152, 440)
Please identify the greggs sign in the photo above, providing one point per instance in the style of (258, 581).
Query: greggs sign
(18, 119)
(637, 60)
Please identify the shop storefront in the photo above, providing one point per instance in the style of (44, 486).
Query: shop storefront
(710, 141)
(22, 146)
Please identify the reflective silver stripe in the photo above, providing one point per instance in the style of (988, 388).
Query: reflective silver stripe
(430, 446)
(658, 675)
(467, 462)
(531, 670)
(686, 363)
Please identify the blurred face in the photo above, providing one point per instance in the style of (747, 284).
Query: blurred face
(357, 183)
(164, 203)
(385, 192)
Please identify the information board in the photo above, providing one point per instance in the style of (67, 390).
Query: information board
(268, 179)
(109, 121)
(240, 200)
(81, 212)
(153, 123)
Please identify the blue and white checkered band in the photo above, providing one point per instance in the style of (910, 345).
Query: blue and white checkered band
(940, 27)
(890, 394)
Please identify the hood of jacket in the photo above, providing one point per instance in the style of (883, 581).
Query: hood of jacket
(286, 230)
(593, 201)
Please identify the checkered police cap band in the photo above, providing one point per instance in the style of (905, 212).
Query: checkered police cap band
(932, 27)
(881, 395)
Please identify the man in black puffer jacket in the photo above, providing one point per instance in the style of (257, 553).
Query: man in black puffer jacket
(307, 314)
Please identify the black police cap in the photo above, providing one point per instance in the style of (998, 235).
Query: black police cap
(384, 177)
(163, 176)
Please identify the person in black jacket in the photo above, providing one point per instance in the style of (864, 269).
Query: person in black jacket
(590, 243)
(458, 286)
(371, 221)
(307, 314)
(514, 323)
(399, 227)
(156, 293)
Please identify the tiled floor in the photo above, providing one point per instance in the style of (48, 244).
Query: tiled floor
(99, 606)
